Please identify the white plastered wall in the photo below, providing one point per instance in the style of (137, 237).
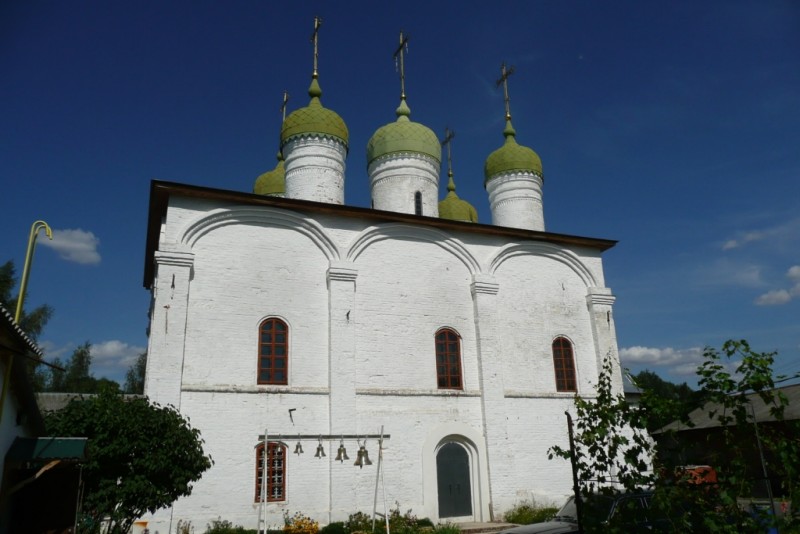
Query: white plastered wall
(407, 281)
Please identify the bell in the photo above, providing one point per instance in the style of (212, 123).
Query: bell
(366, 457)
(341, 453)
(320, 451)
(298, 449)
(363, 457)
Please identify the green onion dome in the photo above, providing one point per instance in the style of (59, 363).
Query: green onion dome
(272, 182)
(455, 209)
(403, 135)
(512, 157)
(314, 119)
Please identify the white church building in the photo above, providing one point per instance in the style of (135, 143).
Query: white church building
(288, 314)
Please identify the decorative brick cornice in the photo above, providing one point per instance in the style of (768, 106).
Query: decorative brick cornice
(178, 259)
(599, 296)
(484, 284)
(342, 271)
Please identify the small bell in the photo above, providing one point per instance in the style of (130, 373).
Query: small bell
(363, 457)
(341, 453)
(366, 456)
(298, 449)
(320, 451)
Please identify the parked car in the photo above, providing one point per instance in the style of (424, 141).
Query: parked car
(628, 510)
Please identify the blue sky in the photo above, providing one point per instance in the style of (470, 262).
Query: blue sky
(673, 127)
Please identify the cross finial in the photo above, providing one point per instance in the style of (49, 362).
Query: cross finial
(448, 137)
(399, 54)
(504, 74)
(314, 39)
(285, 101)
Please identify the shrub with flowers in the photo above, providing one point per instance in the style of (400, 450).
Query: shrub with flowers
(299, 523)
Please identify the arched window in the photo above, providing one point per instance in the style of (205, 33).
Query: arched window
(448, 359)
(273, 352)
(417, 203)
(564, 364)
(276, 472)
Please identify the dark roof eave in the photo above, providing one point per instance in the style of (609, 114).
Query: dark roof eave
(160, 192)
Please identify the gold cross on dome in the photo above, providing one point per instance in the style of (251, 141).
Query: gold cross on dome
(314, 39)
(285, 101)
(448, 137)
(504, 74)
(399, 53)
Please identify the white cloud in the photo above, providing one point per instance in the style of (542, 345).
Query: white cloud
(777, 297)
(681, 361)
(51, 350)
(673, 362)
(110, 359)
(793, 273)
(730, 272)
(778, 237)
(76, 245)
(114, 354)
(743, 239)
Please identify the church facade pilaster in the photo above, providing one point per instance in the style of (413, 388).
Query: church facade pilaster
(484, 291)
(600, 302)
(167, 340)
(342, 317)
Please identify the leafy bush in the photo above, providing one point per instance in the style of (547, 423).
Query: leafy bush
(221, 526)
(358, 522)
(406, 523)
(447, 528)
(425, 523)
(527, 512)
(299, 523)
(337, 527)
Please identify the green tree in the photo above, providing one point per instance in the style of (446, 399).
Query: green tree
(134, 378)
(664, 401)
(77, 376)
(611, 442)
(735, 452)
(33, 321)
(141, 457)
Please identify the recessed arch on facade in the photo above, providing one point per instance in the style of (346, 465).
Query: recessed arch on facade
(375, 234)
(220, 217)
(545, 250)
(442, 440)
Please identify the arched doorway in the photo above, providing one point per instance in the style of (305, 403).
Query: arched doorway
(453, 481)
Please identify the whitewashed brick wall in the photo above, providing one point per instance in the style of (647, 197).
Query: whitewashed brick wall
(395, 286)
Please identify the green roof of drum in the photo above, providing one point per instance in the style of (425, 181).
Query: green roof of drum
(455, 209)
(403, 135)
(272, 182)
(314, 119)
(511, 157)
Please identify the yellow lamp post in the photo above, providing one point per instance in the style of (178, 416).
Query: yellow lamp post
(38, 225)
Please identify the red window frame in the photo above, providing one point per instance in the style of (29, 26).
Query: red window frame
(276, 471)
(564, 365)
(448, 359)
(273, 352)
